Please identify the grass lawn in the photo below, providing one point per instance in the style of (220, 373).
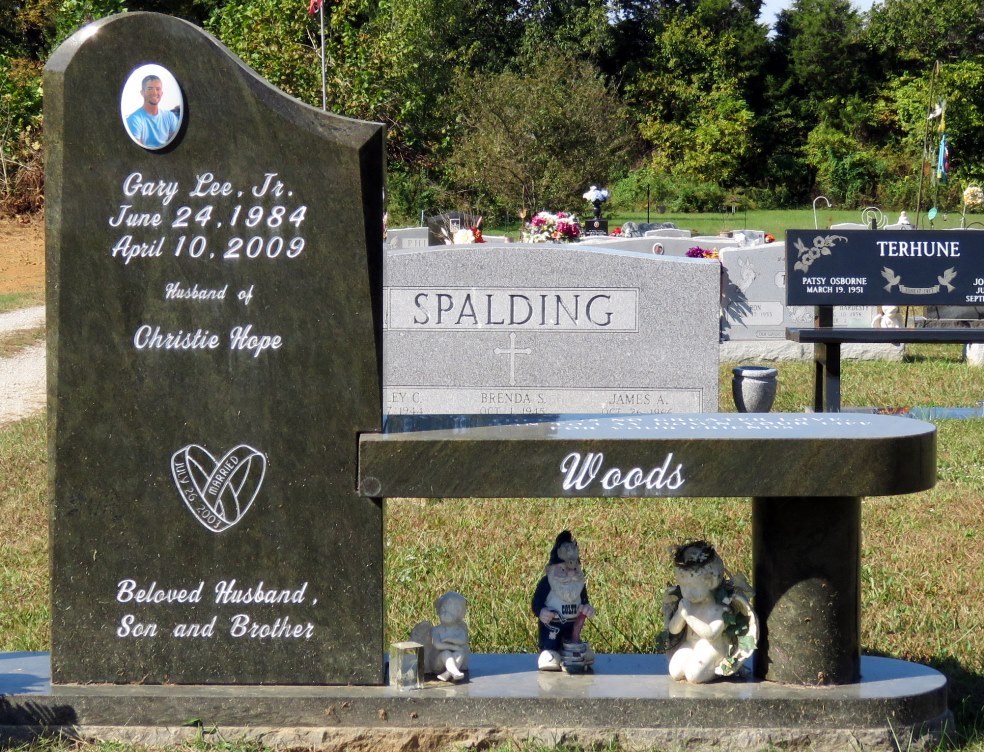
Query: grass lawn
(11, 301)
(922, 559)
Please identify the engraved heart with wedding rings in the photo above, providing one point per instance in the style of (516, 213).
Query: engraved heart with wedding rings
(218, 492)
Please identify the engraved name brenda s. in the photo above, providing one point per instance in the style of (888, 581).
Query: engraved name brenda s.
(218, 492)
(581, 471)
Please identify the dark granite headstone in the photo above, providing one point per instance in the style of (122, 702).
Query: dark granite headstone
(595, 227)
(212, 353)
(896, 267)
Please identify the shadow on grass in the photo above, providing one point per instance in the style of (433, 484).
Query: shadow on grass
(30, 725)
(948, 353)
(965, 698)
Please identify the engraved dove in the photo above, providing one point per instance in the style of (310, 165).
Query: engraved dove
(746, 275)
(948, 276)
(892, 277)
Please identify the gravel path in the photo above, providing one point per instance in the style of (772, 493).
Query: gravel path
(23, 381)
(23, 318)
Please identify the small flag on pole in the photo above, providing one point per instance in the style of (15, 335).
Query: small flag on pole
(315, 6)
(943, 157)
(943, 161)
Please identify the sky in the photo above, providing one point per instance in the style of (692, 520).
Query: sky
(771, 8)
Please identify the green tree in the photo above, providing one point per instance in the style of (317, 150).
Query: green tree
(819, 130)
(577, 28)
(383, 60)
(903, 108)
(827, 58)
(694, 94)
(910, 35)
(537, 139)
(845, 171)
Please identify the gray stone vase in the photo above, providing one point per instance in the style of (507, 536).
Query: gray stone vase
(754, 388)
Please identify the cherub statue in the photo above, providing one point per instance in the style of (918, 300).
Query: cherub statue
(710, 627)
(561, 604)
(445, 644)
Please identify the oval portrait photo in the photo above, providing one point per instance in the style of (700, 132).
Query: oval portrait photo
(151, 106)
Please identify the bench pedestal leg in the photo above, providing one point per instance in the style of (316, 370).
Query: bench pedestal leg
(826, 379)
(807, 580)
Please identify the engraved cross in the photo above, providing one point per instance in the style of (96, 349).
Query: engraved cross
(512, 352)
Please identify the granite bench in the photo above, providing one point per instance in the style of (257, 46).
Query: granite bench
(827, 341)
(890, 268)
(805, 473)
(217, 537)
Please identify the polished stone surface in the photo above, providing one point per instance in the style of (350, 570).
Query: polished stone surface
(403, 238)
(516, 329)
(883, 267)
(625, 691)
(212, 328)
(754, 308)
(807, 575)
(657, 456)
(846, 335)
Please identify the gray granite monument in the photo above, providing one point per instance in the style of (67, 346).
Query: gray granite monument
(544, 329)
(754, 314)
(403, 238)
(204, 523)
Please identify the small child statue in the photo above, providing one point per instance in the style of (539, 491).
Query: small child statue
(560, 602)
(446, 643)
(710, 626)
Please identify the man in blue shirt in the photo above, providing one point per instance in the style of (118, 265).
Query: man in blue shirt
(151, 126)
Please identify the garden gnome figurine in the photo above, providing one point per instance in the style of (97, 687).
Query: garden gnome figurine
(709, 620)
(561, 605)
(445, 644)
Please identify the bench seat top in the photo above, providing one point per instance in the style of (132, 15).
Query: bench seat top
(686, 455)
(837, 335)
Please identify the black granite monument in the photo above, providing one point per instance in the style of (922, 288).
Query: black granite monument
(895, 267)
(208, 275)
(218, 468)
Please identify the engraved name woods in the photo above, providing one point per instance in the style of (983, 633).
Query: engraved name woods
(226, 592)
(582, 471)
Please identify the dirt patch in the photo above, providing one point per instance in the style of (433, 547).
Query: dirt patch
(22, 255)
(22, 376)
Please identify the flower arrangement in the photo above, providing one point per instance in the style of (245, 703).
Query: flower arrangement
(545, 227)
(596, 194)
(698, 252)
(463, 235)
(973, 197)
(467, 235)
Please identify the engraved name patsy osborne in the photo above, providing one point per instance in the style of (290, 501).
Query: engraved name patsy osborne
(218, 492)
(580, 472)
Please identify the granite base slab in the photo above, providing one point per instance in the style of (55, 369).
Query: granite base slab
(779, 350)
(629, 699)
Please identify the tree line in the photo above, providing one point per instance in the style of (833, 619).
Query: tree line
(507, 107)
